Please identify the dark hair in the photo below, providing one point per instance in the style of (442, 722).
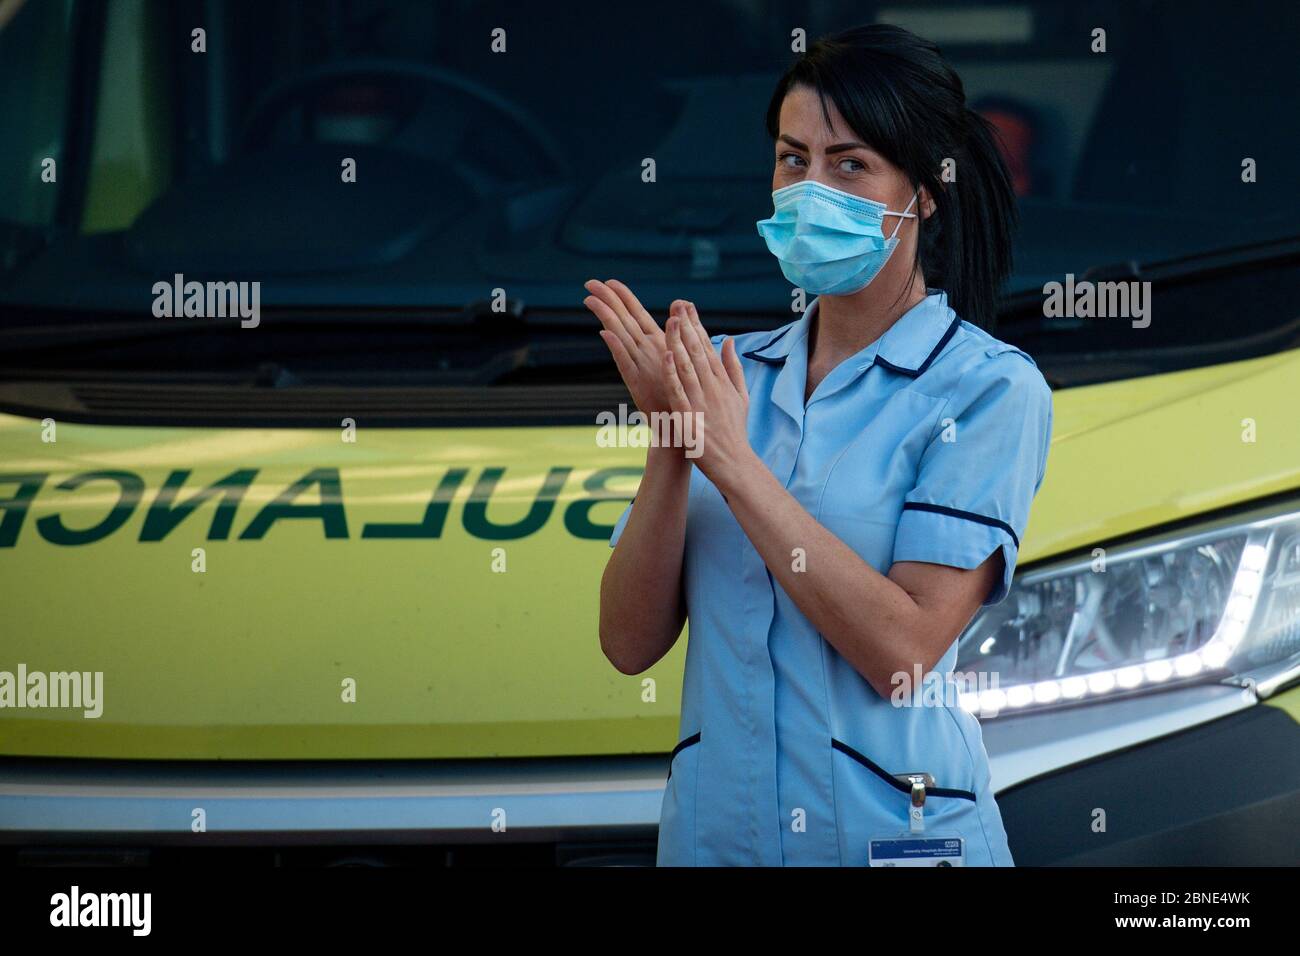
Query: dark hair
(897, 93)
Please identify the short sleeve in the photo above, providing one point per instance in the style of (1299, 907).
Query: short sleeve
(981, 470)
(621, 524)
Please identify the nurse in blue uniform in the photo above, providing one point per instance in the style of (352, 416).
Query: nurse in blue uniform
(862, 486)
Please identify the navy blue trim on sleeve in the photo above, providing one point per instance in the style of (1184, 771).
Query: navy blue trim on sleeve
(968, 515)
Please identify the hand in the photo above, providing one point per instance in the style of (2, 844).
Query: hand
(634, 339)
(713, 390)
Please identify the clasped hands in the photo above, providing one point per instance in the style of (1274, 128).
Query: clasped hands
(676, 369)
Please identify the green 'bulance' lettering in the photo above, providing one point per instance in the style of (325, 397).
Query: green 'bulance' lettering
(577, 517)
(475, 516)
(15, 508)
(164, 515)
(329, 511)
(53, 529)
(168, 510)
(435, 514)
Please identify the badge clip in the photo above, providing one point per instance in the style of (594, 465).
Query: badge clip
(913, 848)
(916, 812)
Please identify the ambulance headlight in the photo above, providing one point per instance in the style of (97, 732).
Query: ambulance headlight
(1200, 605)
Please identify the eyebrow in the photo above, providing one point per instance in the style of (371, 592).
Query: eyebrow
(837, 148)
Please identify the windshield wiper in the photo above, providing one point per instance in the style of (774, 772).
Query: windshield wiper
(1023, 309)
(31, 337)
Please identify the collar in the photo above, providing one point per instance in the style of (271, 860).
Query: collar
(907, 347)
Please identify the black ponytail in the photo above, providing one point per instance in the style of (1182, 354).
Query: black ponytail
(982, 221)
(899, 95)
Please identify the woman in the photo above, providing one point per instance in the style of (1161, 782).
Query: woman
(863, 481)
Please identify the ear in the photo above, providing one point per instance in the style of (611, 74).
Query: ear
(925, 203)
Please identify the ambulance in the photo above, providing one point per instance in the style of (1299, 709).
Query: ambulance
(303, 497)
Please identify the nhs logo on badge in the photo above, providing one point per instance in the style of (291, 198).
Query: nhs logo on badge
(914, 851)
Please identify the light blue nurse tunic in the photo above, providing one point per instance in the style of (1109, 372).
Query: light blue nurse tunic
(927, 445)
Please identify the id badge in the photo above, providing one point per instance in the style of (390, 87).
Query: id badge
(917, 846)
(909, 849)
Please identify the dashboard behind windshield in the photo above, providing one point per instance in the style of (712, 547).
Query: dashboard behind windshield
(504, 146)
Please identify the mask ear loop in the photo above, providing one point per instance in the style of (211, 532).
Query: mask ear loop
(903, 215)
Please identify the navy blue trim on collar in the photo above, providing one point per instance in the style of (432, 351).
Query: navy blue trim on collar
(769, 359)
(756, 353)
(934, 354)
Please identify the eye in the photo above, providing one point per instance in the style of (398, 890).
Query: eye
(850, 165)
(784, 160)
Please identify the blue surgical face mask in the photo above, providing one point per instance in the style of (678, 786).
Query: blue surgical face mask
(829, 242)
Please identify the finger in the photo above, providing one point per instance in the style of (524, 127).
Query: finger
(731, 362)
(715, 363)
(703, 357)
(611, 321)
(626, 367)
(634, 307)
(676, 313)
(644, 355)
(631, 328)
(682, 360)
(696, 347)
(677, 399)
(615, 305)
